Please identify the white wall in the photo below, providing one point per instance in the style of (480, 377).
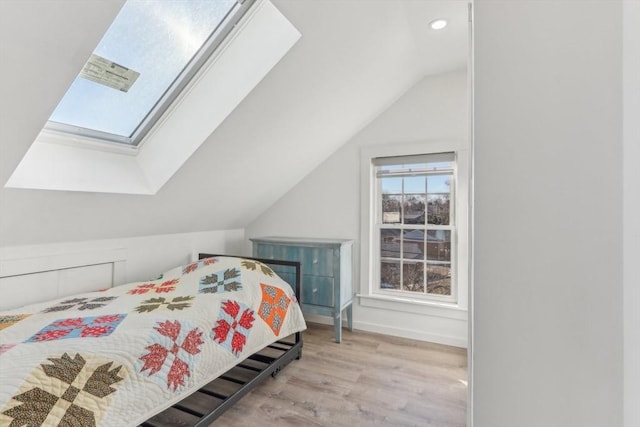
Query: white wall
(26, 272)
(326, 203)
(631, 129)
(548, 208)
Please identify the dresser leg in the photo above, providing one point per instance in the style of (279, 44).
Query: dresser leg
(337, 326)
(350, 317)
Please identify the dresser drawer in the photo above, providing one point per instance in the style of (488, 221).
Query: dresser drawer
(318, 290)
(317, 261)
(314, 261)
(268, 251)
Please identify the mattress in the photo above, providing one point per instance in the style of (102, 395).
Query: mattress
(117, 357)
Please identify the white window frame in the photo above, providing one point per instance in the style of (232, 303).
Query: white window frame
(379, 226)
(370, 293)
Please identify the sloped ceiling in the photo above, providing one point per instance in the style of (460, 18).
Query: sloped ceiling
(354, 59)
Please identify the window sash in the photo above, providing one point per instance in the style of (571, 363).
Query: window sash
(401, 259)
(379, 225)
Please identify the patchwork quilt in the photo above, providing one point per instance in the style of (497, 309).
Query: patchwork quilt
(117, 357)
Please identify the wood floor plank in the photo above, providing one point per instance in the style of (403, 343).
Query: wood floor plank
(367, 380)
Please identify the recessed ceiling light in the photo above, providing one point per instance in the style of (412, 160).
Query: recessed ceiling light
(438, 24)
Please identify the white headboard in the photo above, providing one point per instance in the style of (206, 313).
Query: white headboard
(42, 277)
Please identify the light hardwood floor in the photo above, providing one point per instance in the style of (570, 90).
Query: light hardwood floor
(368, 379)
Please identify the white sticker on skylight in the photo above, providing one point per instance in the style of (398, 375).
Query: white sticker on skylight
(108, 73)
(157, 39)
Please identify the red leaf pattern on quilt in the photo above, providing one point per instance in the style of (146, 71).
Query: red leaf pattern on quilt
(193, 341)
(179, 370)
(6, 347)
(154, 360)
(107, 319)
(169, 329)
(51, 335)
(238, 342)
(233, 326)
(81, 327)
(96, 331)
(246, 320)
(177, 356)
(167, 286)
(231, 308)
(163, 288)
(221, 330)
(190, 268)
(69, 322)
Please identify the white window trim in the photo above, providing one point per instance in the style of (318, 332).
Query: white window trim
(368, 294)
(190, 120)
(379, 225)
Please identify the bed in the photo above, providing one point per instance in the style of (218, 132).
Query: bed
(177, 350)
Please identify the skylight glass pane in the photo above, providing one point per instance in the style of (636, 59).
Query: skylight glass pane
(156, 38)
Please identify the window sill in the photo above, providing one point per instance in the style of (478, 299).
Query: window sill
(408, 305)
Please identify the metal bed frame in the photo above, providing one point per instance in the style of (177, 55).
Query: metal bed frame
(203, 406)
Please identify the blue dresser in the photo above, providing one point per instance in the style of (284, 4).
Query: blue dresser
(327, 273)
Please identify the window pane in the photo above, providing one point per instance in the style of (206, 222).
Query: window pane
(389, 243)
(439, 245)
(391, 185)
(413, 244)
(413, 276)
(415, 184)
(391, 208)
(439, 183)
(390, 275)
(414, 211)
(156, 39)
(438, 209)
(439, 279)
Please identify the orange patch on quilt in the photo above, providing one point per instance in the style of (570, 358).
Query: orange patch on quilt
(273, 307)
(6, 321)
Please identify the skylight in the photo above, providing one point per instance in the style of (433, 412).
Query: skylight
(144, 60)
(252, 46)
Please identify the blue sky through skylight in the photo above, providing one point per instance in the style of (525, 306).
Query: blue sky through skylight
(156, 38)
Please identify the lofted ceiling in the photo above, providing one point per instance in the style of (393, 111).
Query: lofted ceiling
(354, 59)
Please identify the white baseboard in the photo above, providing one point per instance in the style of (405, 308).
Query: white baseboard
(396, 332)
(412, 334)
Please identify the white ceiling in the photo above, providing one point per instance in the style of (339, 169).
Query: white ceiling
(353, 60)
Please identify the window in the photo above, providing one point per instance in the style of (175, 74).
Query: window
(409, 264)
(414, 233)
(84, 163)
(144, 60)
